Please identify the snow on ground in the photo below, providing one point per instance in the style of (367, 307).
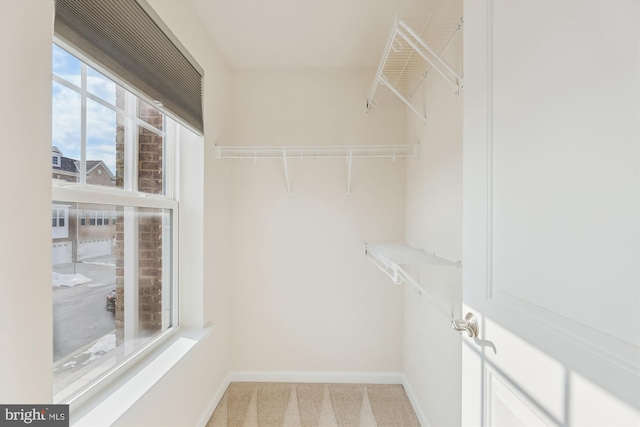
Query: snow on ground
(68, 280)
(102, 346)
(107, 264)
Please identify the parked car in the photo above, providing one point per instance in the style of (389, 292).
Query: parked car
(111, 301)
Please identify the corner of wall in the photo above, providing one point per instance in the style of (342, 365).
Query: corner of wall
(432, 356)
(25, 202)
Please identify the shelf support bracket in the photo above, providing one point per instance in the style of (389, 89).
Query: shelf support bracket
(436, 62)
(286, 171)
(349, 161)
(383, 81)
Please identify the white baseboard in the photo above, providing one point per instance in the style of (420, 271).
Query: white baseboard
(214, 402)
(422, 418)
(318, 377)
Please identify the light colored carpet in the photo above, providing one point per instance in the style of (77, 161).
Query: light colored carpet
(313, 405)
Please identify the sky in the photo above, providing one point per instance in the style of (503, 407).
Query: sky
(101, 121)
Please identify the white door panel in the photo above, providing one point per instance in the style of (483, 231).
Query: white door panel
(551, 210)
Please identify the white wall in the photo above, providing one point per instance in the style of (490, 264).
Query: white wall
(305, 298)
(26, 339)
(432, 351)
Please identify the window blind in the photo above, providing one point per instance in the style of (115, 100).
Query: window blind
(127, 38)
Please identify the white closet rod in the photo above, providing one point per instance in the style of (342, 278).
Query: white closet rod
(316, 152)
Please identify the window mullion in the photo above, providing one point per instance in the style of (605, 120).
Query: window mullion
(83, 124)
(78, 194)
(169, 156)
(131, 297)
(66, 83)
(130, 144)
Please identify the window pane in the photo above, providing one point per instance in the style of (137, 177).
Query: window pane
(66, 65)
(150, 115)
(111, 290)
(101, 86)
(151, 162)
(66, 133)
(101, 144)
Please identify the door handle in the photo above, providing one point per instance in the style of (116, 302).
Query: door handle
(469, 324)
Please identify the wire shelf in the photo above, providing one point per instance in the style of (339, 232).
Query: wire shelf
(389, 258)
(412, 51)
(316, 152)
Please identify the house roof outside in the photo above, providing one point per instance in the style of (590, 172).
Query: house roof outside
(67, 164)
(93, 164)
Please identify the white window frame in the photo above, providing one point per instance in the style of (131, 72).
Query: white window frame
(130, 198)
(93, 216)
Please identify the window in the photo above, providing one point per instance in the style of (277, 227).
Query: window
(59, 224)
(122, 263)
(55, 160)
(58, 216)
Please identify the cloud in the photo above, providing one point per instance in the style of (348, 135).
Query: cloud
(66, 120)
(100, 86)
(101, 134)
(66, 65)
(66, 125)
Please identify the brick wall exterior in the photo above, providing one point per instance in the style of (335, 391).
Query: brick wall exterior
(150, 154)
(149, 223)
(150, 271)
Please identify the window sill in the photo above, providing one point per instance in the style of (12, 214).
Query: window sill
(107, 406)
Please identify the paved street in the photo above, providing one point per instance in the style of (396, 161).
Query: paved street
(79, 314)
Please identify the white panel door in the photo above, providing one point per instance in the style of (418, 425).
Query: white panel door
(551, 212)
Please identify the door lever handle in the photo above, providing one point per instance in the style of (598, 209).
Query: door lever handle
(469, 325)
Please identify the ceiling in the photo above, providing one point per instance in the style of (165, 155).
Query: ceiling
(305, 33)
